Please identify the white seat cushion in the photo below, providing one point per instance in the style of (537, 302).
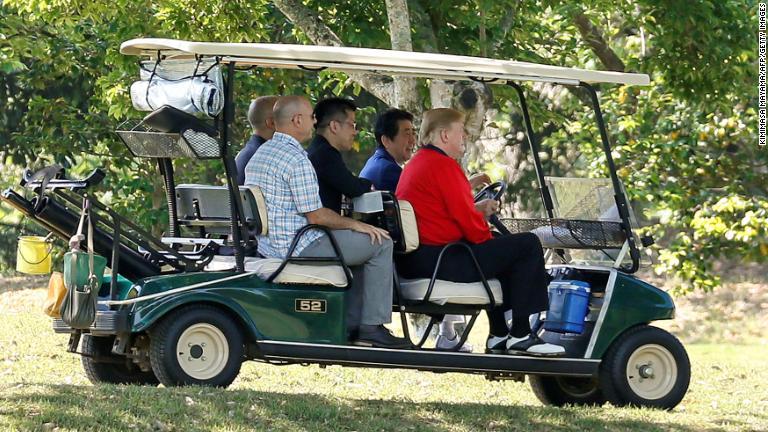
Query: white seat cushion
(317, 274)
(446, 292)
(408, 227)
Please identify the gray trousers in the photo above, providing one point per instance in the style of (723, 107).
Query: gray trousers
(369, 300)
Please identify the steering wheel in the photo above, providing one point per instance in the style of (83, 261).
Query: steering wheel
(494, 191)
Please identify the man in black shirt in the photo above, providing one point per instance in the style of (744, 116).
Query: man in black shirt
(263, 126)
(336, 131)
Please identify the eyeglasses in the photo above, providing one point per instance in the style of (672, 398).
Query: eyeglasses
(346, 122)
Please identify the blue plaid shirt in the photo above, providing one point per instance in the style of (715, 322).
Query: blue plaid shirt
(281, 169)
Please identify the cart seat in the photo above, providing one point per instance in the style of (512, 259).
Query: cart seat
(402, 227)
(447, 292)
(207, 206)
(293, 273)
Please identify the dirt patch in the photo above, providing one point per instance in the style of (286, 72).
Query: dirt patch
(734, 313)
(17, 283)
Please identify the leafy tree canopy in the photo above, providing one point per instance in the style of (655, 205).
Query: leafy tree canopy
(686, 145)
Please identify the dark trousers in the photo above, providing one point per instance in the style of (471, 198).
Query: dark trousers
(516, 260)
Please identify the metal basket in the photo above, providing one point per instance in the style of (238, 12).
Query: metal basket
(144, 141)
(571, 233)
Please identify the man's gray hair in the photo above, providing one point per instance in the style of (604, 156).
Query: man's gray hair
(260, 110)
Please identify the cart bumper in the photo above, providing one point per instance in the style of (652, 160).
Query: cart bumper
(106, 323)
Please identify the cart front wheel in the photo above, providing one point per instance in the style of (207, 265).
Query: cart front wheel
(646, 366)
(196, 345)
(559, 391)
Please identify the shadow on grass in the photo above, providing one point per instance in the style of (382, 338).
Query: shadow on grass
(108, 407)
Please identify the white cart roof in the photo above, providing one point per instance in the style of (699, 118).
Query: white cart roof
(388, 62)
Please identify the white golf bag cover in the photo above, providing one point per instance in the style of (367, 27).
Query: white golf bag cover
(191, 86)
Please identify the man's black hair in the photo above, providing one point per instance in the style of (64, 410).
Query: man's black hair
(386, 123)
(332, 109)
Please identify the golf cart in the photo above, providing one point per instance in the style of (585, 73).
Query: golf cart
(188, 308)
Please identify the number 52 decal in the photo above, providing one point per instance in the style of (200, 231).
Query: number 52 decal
(311, 305)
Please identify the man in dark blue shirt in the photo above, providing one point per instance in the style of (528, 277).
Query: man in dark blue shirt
(396, 137)
(336, 131)
(263, 126)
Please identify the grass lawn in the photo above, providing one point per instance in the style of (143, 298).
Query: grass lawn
(44, 388)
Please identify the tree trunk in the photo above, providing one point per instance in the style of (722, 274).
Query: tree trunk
(474, 99)
(406, 92)
(594, 38)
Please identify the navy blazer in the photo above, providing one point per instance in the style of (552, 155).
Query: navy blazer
(382, 170)
(242, 158)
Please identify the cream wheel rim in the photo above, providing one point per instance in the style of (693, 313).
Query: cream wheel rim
(651, 371)
(202, 351)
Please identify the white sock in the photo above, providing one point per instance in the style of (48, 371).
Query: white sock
(447, 330)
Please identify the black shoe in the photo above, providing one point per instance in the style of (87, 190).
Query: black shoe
(532, 345)
(380, 337)
(496, 344)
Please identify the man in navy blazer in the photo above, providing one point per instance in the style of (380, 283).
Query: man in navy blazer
(396, 137)
(263, 125)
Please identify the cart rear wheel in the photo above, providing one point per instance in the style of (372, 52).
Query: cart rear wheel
(646, 366)
(196, 345)
(101, 366)
(559, 391)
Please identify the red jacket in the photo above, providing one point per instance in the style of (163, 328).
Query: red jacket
(441, 196)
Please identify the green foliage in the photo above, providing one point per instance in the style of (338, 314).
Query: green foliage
(685, 145)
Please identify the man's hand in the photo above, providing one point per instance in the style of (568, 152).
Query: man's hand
(377, 234)
(487, 207)
(331, 219)
(479, 179)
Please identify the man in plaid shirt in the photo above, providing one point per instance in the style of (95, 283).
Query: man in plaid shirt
(281, 168)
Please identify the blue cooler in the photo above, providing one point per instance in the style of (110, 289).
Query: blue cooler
(568, 306)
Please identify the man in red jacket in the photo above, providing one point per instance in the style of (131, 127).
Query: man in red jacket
(441, 196)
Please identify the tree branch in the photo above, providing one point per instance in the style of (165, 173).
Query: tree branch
(594, 38)
(315, 29)
(422, 24)
(504, 27)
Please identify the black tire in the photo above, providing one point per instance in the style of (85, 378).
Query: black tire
(561, 390)
(215, 365)
(101, 366)
(643, 345)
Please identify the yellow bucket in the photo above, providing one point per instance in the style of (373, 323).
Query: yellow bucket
(33, 255)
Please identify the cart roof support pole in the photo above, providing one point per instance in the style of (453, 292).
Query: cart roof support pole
(621, 199)
(546, 197)
(236, 205)
(166, 168)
